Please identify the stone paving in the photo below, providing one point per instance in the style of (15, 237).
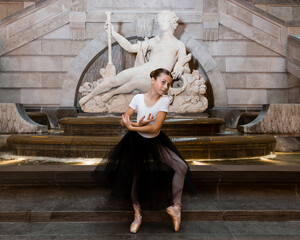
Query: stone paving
(155, 230)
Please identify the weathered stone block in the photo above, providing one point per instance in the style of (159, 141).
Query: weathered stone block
(267, 80)
(210, 5)
(194, 29)
(277, 96)
(9, 95)
(221, 63)
(238, 12)
(60, 33)
(293, 95)
(225, 48)
(253, 48)
(41, 63)
(31, 63)
(10, 63)
(268, 41)
(250, 64)
(293, 81)
(31, 80)
(266, 26)
(40, 96)
(246, 96)
(67, 61)
(62, 47)
(235, 80)
(255, 64)
(228, 34)
(256, 80)
(276, 64)
(31, 48)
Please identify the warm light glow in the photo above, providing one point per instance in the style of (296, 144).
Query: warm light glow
(89, 163)
(199, 163)
(11, 161)
(269, 160)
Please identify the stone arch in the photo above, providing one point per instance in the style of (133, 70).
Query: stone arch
(83, 60)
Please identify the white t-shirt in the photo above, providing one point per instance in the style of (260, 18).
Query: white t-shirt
(138, 103)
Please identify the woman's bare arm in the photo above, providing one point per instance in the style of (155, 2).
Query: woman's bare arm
(154, 128)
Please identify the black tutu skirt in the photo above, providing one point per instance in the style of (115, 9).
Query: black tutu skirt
(139, 160)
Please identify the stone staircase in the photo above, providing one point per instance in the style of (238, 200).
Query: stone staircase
(31, 23)
(68, 194)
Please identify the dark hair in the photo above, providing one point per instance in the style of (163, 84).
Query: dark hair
(156, 73)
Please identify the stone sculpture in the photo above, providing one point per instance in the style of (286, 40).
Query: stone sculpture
(113, 94)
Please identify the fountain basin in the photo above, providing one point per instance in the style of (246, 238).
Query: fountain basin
(197, 147)
(110, 126)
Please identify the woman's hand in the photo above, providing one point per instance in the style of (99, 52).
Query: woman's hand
(143, 122)
(126, 121)
(108, 23)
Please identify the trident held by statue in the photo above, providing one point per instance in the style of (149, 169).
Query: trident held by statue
(110, 70)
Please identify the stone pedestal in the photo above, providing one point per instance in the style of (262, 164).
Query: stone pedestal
(13, 119)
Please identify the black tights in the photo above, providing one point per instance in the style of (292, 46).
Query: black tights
(180, 169)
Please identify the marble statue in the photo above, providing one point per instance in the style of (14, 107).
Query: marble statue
(190, 96)
(164, 51)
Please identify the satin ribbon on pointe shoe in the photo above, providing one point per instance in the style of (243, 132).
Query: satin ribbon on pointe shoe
(135, 225)
(175, 212)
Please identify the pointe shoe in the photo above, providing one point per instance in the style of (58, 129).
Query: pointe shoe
(135, 225)
(175, 212)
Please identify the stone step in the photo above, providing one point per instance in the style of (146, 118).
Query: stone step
(224, 201)
(149, 216)
(195, 147)
(208, 175)
(110, 126)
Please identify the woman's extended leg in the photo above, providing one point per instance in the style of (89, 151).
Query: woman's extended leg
(180, 169)
(135, 225)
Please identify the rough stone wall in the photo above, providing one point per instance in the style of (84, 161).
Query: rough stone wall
(253, 70)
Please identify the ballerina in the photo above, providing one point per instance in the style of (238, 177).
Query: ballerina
(145, 166)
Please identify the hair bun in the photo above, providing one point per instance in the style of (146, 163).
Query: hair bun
(156, 73)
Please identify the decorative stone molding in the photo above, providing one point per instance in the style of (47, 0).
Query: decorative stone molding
(275, 118)
(13, 119)
(77, 25)
(254, 24)
(31, 24)
(210, 26)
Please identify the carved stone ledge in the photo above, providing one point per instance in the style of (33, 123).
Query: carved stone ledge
(13, 119)
(275, 118)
